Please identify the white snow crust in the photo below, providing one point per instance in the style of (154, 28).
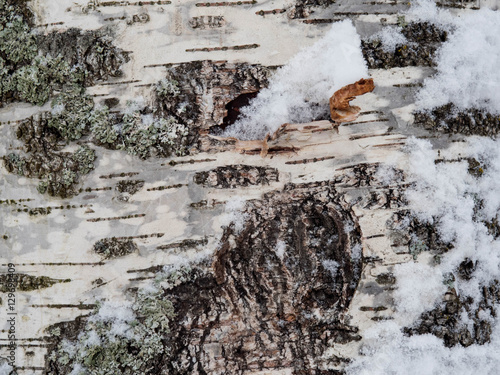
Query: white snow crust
(467, 63)
(309, 78)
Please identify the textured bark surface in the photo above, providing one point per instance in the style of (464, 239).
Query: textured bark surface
(91, 50)
(279, 291)
(205, 87)
(233, 176)
(450, 119)
(286, 283)
(423, 40)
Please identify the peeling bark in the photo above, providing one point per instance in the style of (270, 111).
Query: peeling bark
(340, 109)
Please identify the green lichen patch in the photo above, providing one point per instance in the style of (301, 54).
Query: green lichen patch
(26, 73)
(110, 248)
(167, 87)
(145, 136)
(26, 283)
(85, 158)
(101, 129)
(139, 132)
(17, 44)
(15, 164)
(33, 65)
(35, 83)
(59, 172)
(128, 338)
(70, 113)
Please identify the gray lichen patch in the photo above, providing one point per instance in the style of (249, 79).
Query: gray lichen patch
(117, 339)
(58, 171)
(26, 283)
(110, 248)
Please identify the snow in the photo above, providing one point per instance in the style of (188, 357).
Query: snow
(309, 78)
(233, 214)
(280, 249)
(388, 351)
(119, 314)
(447, 196)
(390, 37)
(115, 311)
(77, 370)
(467, 64)
(419, 287)
(428, 11)
(447, 191)
(443, 194)
(331, 266)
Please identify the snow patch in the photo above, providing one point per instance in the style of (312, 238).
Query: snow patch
(446, 195)
(389, 351)
(300, 90)
(233, 214)
(331, 266)
(280, 249)
(390, 38)
(418, 286)
(467, 64)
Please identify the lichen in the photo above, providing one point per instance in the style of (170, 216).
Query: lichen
(131, 342)
(16, 164)
(129, 186)
(70, 113)
(167, 87)
(145, 137)
(85, 157)
(451, 119)
(100, 127)
(26, 74)
(422, 42)
(59, 172)
(16, 41)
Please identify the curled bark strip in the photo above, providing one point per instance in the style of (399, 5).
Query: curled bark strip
(340, 109)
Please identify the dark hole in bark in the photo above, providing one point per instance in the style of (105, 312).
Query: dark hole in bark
(233, 111)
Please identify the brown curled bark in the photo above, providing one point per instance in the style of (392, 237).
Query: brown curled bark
(340, 109)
